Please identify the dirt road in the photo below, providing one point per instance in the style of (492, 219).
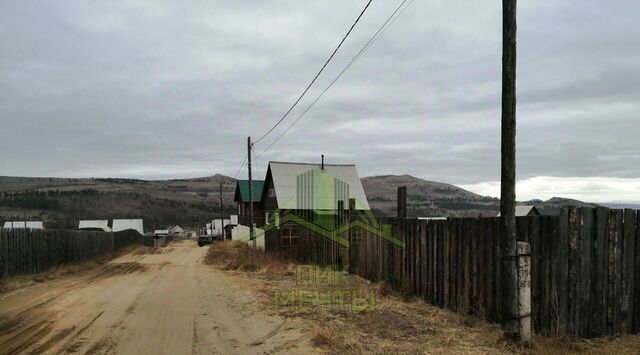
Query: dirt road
(159, 303)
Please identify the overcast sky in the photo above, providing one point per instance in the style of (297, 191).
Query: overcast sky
(152, 89)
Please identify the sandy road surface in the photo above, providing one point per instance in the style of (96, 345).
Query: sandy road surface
(163, 303)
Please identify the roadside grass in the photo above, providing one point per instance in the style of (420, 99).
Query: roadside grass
(394, 324)
(234, 255)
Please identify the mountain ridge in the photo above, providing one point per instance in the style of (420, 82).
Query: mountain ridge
(62, 201)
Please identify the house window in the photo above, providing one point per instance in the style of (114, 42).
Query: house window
(290, 236)
(271, 192)
(356, 236)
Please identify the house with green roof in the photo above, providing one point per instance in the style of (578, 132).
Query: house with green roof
(242, 199)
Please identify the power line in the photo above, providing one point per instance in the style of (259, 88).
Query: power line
(241, 166)
(317, 75)
(376, 35)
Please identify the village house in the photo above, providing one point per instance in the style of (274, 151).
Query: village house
(124, 224)
(177, 231)
(526, 211)
(241, 198)
(23, 225)
(95, 225)
(308, 201)
(160, 232)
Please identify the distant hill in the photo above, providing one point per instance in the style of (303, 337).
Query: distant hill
(553, 205)
(434, 199)
(426, 198)
(61, 202)
(622, 205)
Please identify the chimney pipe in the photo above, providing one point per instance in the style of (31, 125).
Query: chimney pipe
(322, 166)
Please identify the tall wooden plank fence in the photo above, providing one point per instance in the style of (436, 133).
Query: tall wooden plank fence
(30, 251)
(585, 267)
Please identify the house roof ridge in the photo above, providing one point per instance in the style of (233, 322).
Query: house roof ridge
(297, 163)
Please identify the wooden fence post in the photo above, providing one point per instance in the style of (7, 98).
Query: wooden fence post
(573, 265)
(636, 296)
(628, 257)
(585, 250)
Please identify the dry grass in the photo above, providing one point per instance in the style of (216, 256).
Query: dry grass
(233, 255)
(396, 324)
(627, 344)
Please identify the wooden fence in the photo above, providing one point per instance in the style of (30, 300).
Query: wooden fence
(308, 248)
(585, 265)
(29, 251)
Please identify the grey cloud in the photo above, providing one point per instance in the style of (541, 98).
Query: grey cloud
(160, 89)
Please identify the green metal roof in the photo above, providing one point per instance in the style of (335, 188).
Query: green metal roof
(257, 185)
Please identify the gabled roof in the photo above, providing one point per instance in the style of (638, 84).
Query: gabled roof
(95, 224)
(176, 229)
(286, 177)
(124, 224)
(526, 210)
(522, 210)
(242, 190)
(23, 224)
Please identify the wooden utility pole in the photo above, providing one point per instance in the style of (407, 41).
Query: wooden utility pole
(508, 242)
(221, 214)
(251, 237)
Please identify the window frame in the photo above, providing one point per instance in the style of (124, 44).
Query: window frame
(287, 236)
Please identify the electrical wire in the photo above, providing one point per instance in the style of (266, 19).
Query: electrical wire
(241, 166)
(378, 33)
(317, 75)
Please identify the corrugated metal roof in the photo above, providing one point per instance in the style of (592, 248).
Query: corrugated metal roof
(23, 224)
(256, 185)
(124, 224)
(285, 180)
(95, 224)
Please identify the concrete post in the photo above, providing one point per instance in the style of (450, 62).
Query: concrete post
(524, 291)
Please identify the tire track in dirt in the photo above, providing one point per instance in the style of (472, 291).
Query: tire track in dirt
(26, 337)
(76, 341)
(108, 270)
(30, 325)
(53, 340)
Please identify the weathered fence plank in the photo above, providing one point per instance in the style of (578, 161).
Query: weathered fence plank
(628, 257)
(612, 274)
(25, 251)
(560, 273)
(584, 273)
(573, 266)
(636, 295)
